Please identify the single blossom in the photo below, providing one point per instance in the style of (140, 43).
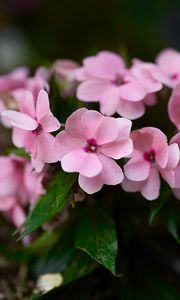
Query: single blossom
(64, 71)
(32, 127)
(151, 157)
(20, 187)
(89, 144)
(106, 79)
(168, 61)
(174, 106)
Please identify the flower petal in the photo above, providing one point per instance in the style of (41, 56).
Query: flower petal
(87, 164)
(151, 188)
(20, 120)
(91, 185)
(92, 89)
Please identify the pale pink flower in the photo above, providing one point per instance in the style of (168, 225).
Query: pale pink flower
(65, 72)
(168, 61)
(151, 157)
(20, 187)
(89, 144)
(32, 127)
(174, 106)
(106, 79)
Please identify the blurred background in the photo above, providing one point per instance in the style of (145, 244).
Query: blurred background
(36, 32)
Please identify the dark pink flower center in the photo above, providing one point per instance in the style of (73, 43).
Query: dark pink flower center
(91, 146)
(118, 80)
(174, 76)
(37, 130)
(150, 156)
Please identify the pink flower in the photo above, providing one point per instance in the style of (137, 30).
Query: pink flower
(174, 106)
(19, 187)
(65, 72)
(107, 80)
(89, 144)
(32, 127)
(151, 158)
(168, 62)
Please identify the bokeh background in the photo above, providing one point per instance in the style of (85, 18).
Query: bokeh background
(34, 32)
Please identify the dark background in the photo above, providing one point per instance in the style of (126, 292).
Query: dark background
(36, 31)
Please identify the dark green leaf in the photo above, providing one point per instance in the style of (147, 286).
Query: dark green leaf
(158, 204)
(51, 203)
(96, 235)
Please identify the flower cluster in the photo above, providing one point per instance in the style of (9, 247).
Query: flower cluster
(91, 143)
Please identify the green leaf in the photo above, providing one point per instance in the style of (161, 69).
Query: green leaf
(96, 235)
(171, 220)
(158, 204)
(64, 258)
(80, 265)
(51, 203)
(18, 152)
(43, 243)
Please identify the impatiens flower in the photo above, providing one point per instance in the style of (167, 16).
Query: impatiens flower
(89, 144)
(151, 157)
(32, 127)
(65, 72)
(19, 187)
(168, 62)
(174, 106)
(106, 79)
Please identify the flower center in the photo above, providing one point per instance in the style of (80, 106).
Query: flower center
(91, 146)
(118, 80)
(174, 76)
(150, 156)
(37, 130)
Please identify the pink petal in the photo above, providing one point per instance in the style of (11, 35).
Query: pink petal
(132, 91)
(92, 89)
(137, 170)
(7, 202)
(65, 144)
(151, 188)
(104, 65)
(42, 104)
(174, 106)
(18, 216)
(118, 149)
(131, 186)
(150, 99)
(124, 128)
(20, 120)
(95, 126)
(49, 123)
(131, 110)
(19, 137)
(169, 61)
(45, 147)
(26, 104)
(111, 173)
(87, 164)
(91, 185)
(168, 176)
(173, 157)
(109, 101)
(73, 124)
